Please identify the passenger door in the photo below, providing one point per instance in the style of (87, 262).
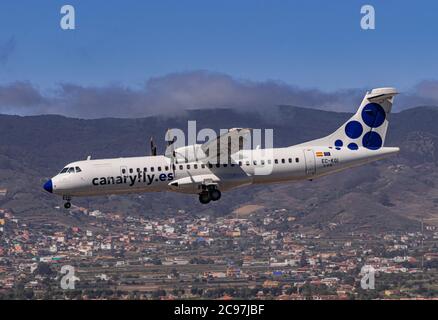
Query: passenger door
(309, 157)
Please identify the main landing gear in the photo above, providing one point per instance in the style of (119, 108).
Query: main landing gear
(209, 194)
(67, 205)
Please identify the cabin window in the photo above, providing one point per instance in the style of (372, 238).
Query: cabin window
(188, 167)
(64, 170)
(166, 168)
(138, 170)
(269, 161)
(145, 169)
(131, 170)
(71, 170)
(255, 162)
(232, 164)
(152, 169)
(283, 161)
(240, 163)
(78, 169)
(203, 166)
(181, 167)
(195, 166)
(123, 171)
(210, 165)
(290, 160)
(262, 162)
(159, 168)
(297, 160)
(247, 163)
(218, 165)
(225, 165)
(276, 161)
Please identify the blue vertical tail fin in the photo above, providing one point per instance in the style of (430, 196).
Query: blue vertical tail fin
(367, 127)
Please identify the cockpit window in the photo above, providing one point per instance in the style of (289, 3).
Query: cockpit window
(70, 170)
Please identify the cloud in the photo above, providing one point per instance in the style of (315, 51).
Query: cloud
(21, 96)
(425, 93)
(201, 89)
(6, 50)
(98, 102)
(176, 92)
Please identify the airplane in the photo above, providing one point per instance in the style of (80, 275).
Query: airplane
(195, 170)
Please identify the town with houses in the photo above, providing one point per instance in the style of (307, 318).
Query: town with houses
(185, 256)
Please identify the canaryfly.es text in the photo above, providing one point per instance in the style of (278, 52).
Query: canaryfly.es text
(132, 179)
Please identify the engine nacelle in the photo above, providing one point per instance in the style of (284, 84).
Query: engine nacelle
(193, 184)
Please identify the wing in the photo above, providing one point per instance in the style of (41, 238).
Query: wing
(220, 149)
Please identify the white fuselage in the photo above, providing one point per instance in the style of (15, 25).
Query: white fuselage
(156, 173)
(358, 141)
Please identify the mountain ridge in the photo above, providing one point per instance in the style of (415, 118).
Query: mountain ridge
(34, 148)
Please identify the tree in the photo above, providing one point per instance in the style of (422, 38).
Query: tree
(158, 293)
(303, 259)
(44, 269)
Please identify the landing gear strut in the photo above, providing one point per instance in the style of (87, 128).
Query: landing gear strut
(67, 205)
(210, 193)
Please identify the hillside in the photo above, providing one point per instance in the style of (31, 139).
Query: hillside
(388, 195)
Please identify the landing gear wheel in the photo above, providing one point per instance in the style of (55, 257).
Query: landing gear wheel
(67, 198)
(215, 194)
(204, 197)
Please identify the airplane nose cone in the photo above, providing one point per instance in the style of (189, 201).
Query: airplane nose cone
(48, 186)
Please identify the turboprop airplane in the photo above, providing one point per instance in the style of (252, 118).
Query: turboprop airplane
(195, 170)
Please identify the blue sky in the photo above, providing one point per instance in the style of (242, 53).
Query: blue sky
(307, 43)
(310, 44)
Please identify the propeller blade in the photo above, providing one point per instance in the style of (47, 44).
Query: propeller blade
(172, 149)
(153, 147)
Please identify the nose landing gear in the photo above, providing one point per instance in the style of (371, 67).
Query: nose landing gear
(67, 205)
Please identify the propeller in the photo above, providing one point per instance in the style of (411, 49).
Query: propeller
(170, 151)
(153, 148)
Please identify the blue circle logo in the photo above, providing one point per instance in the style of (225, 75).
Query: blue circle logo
(353, 129)
(339, 143)
(353, 146)
(372, 140)
(373, 115)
